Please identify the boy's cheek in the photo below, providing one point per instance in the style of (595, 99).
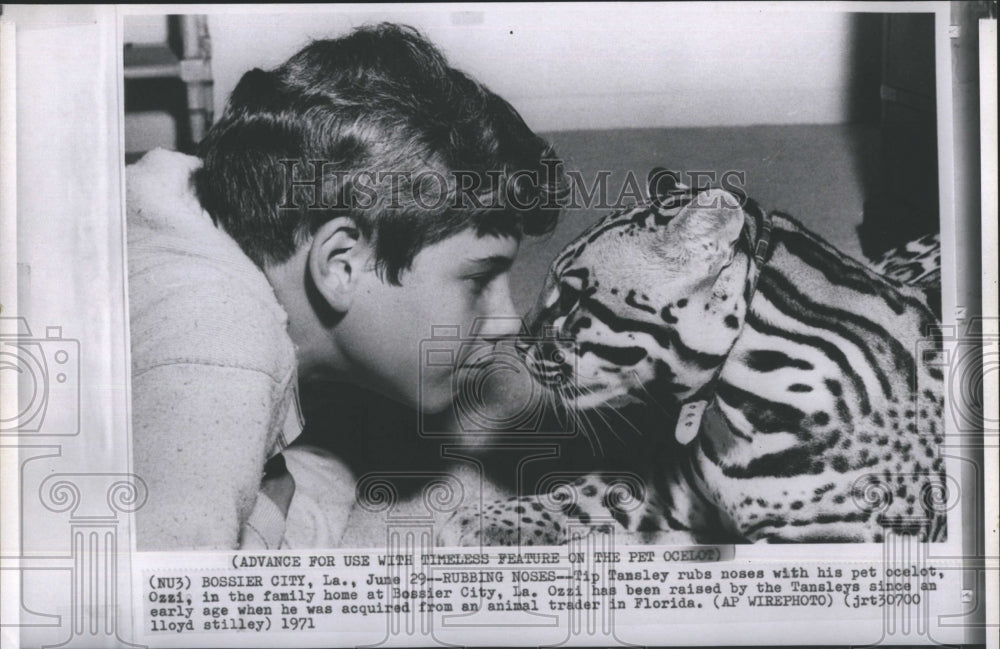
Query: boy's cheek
(435, 392)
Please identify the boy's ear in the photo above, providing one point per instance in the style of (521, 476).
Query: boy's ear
(337, 256)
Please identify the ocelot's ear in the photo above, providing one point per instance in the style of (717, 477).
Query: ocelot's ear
(661, 183)
(709, 225)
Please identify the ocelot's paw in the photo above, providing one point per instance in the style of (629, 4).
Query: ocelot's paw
(515, 521)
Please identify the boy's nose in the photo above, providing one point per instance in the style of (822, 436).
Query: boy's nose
(503, 320)
(496, 327)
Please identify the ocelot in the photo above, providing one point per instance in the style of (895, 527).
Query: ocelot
(798, 392)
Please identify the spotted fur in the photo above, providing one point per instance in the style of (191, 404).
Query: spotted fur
(915, 263)
(823, 422)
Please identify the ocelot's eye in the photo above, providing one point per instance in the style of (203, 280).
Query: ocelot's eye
(570, 290)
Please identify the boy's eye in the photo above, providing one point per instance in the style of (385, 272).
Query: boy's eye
(480, 282)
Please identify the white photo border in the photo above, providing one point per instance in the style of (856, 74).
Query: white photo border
(70, 493)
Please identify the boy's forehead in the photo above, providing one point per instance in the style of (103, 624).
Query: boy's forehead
(468, 244)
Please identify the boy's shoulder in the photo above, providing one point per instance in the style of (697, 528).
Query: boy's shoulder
(194, 297)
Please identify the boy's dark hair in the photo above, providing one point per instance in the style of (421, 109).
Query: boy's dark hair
(414, 150)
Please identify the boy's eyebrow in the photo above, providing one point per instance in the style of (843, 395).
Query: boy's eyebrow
(498, 263)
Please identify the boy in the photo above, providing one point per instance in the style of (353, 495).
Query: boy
(344, 203)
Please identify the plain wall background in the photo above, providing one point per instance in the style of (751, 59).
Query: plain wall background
(592, 66)
(621, 66)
